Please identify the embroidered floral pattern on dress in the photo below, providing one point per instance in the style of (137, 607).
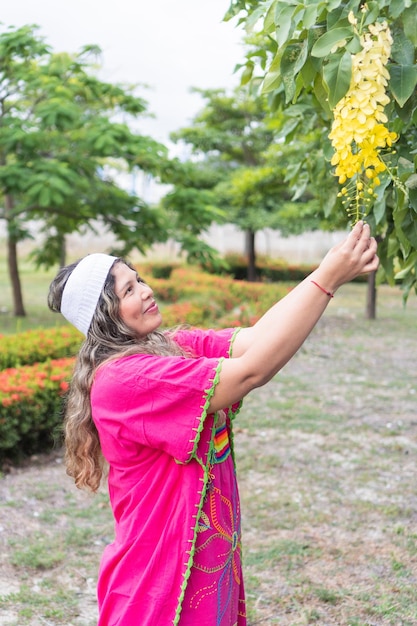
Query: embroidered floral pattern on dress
(217, 558)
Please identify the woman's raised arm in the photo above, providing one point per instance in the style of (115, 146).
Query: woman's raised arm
(261, 351)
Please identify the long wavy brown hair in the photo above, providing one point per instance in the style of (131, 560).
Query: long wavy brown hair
(107, 338)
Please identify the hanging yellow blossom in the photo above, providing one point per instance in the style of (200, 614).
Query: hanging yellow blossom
(358, 131)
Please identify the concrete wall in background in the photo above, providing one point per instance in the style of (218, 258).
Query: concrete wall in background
(306, 248)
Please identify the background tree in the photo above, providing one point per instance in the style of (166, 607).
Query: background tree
(302, 52)
(64, 139)
(240, 167)
(190, 207)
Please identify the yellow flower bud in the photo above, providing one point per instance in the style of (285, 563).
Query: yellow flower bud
(352, 19)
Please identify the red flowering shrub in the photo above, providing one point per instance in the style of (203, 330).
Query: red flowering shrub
(30, 406)
(217, 301)
(37, 345)
(165, 290)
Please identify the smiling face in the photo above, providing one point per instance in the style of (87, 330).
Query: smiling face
(137, 306)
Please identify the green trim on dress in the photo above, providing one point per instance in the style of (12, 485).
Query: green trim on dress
(206, 469)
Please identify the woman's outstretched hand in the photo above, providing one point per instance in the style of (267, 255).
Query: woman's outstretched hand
(354, 256)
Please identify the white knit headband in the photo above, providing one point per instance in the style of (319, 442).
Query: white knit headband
(83, 288)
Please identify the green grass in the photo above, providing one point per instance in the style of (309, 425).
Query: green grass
(35, 286)
(39, 552)
(57, 556)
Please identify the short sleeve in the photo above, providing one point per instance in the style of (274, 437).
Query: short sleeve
(155, 401)
(209, 343)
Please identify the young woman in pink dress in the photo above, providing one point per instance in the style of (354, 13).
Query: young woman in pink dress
(156, 408)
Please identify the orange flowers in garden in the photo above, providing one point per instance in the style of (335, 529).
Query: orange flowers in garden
(358, 132)
(30, 401)
(33, 346)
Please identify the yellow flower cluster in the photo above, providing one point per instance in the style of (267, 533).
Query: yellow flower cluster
(358, 133)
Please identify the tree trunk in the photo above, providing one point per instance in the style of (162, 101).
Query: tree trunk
(250, 250)
(12, 261)
(371, 297)
(19, 309)
(63, 253)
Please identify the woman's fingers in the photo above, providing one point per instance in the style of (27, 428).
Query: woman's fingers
(369, 256)
(372, 265)
(359, 232)
(362, 240)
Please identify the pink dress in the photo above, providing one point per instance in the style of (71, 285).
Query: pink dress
(176, 556)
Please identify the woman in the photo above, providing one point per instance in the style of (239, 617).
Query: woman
(157, 408)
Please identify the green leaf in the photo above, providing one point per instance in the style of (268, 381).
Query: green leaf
(403, 81)
(273, 77)
(308, 72)
(292, 61)
(337, 75)
(412, 198)
(325, 44)
(379, 206)
(254, 17)
(408, 267)
(321, 94)
(34, 190)
(409, 227)
(411, 182)
(56, 198)
(310, 16)
(354, 45)
(397, 7)
(315, 33)
(60, 185)
(45, 197)
(405, 168)
(409, 20)
(247, 74)
(333, 4)
(269, 21)
(283, 23)
(399, 215)
(372, 13)
(402, 51)
(288, 128)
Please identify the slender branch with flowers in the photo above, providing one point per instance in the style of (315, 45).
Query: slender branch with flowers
(359, 136)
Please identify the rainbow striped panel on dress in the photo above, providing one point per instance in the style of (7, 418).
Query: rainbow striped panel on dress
(221, 444)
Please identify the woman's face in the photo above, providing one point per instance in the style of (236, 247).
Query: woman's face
(137, 306)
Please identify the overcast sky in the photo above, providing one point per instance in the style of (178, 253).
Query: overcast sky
(170, 45)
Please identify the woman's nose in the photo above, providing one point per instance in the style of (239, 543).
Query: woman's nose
(146, 291)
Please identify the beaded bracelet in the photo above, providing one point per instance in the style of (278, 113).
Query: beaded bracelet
(328, 293)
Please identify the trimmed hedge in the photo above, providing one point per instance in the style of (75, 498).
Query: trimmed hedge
(31, 405)
(213, 301)
(269, 270)
(33, 346)
(274, 270)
